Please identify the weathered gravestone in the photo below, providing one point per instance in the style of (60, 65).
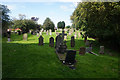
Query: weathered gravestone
(40, 32)
(51, 42)
(47, 32)
(70, 57)
(40, 40)
(101, 50)
(25, 36)
(72, 41)
(79, 35)
(50, 32)
(87, 43)
(57, 33)
(85, 39)
(82, 50)
(65, 37)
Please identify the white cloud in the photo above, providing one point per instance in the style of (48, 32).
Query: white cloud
(67, 8)
(11, 7)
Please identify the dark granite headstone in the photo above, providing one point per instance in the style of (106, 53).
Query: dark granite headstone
(51, 42)
(41, 40)
(70, 57)
(58, 41)
(72, 41)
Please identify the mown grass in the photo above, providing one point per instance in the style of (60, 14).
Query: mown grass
(26, 59)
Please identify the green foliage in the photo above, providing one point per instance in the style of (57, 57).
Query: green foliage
(5, 17)
(99, 20)
(61, 24)
(48, 24)
(25, 25)
(68, 26)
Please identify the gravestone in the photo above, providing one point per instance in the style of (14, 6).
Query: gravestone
(47, 32)
(70, 57)
(88, 49)
(8, 35)
(57, 33)
(87, 43)
(82, 50)
(65, 37)
(25, 36)
(50, 32)
(85, 39)
(51, 42)
(79, 35)
(40, 32)
(70, 33)
(101, 50)
(40, 40)
(58, 41)
(72, 41)
(75, 36)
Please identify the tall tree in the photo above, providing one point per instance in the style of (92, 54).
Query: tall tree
(61, 24)
(5, 18)
(48, 24)
(99, 20)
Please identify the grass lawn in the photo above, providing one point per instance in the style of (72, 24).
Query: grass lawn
(26, 59)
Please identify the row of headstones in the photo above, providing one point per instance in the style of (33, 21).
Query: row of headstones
(82, 49)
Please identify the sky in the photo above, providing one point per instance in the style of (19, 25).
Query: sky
(56, 11)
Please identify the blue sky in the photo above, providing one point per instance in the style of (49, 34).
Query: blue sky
(56, 11)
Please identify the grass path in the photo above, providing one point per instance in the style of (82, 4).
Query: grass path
(26, 59)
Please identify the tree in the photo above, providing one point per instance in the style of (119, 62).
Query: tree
(99, 20)
(25, 25)
(48, 24)
(61, 24)
(5, 18)
(68, 26)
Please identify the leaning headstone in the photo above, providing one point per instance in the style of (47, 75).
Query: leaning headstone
(101, 50)
(72, 41)
(70, 57)
(51, 42)
(82, 50)
(25, 36)
(41, 40)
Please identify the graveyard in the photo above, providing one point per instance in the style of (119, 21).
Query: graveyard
(28, 59)
(60, 39)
